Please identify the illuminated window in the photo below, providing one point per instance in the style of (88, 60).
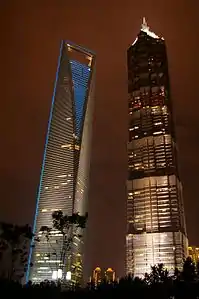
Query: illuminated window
(67, 146)
(62, 176)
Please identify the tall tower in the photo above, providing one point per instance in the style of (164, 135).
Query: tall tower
(64, 177)
(156, 231)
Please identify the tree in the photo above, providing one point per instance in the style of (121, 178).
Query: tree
(158, 274)
(66, 228)
(14, 242)
(189, 270)
(197, 269)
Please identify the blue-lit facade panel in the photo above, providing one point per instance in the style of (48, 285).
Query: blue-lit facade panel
(80, 77)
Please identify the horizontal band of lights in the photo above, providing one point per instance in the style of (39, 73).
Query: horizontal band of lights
(60, 185)
(144, 97)
(150, 121)
(156, 231)
(155, 248)
(151, 154)
(154, 204)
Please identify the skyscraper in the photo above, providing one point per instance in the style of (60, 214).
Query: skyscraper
(64, 177)
(156, 231)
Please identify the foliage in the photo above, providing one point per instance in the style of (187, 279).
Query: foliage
(162, 286)
(67, 227)
(14, 243)
(158, 274)
(189, 270)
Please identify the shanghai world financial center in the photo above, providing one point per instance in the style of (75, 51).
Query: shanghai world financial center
(156, 231)
(65, 171)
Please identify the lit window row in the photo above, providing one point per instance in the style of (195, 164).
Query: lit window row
(70, 146)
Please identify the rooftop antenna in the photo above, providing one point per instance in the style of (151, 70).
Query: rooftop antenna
(145, 28)
(144, 25)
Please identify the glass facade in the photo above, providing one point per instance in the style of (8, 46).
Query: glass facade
(64, 177)
(156, 231)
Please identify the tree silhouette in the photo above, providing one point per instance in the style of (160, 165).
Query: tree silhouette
(68, 227)
(158, 274)
(189, 270)
(14, 242)
(197, 269)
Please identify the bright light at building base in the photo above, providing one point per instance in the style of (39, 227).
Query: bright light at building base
(68, 275)
(57, 274)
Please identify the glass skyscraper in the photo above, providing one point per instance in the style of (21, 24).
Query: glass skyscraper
(64, 177)
(156, 231)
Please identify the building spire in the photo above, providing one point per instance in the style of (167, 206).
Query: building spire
(144, 25)
(145, 28)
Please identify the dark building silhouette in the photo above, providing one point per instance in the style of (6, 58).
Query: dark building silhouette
(156, 231)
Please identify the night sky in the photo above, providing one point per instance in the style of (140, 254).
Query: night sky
(31, 32)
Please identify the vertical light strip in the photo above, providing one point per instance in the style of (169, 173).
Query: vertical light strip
(44, 158)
